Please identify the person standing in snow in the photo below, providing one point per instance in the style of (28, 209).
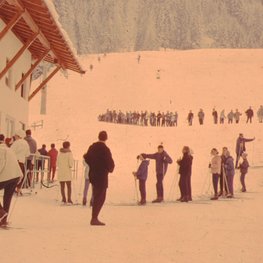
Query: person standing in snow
(244, 165)
(65, 165)
(162, 159)
(222, 117)
(222, 173)
(10, 174)
(260, 114)
(100, 161)
(41, 162)
(185, 171)
(190, 118)
(22, 152)
(230, 117)
(53, 155)
(250, 114)
(141, 174)
(215, 167)
(87, 182)
(201, 117)
(241, 146)
(237, 115)
(230, 173)
(215, 116)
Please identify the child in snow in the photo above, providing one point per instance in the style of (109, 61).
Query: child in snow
(243, 170)
(141, 175)
(65, 164)
(87, 182)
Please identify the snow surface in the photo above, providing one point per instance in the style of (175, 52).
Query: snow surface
(228, 231)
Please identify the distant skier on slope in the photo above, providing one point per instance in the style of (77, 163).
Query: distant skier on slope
(215, 116)
(162, 160)
(190, 118)
(250, 114)
(201, 117)
(237, 115)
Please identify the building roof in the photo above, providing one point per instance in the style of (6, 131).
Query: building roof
(36, 16)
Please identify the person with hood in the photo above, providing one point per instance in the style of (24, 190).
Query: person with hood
(230, 173)
(185, 171)
(10, 174)
(141, 174)
(215, 116)
(244, 165)
(162, 159)
(250, 114)
(190, 118)
(53, 155)
(215, 166)
(22, 152)
(237, 115)
(65, 165)
(100, 161)
(201, 117)
(241, 146)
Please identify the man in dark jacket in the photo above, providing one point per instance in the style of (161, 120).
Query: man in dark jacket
(250, 114)
(100, 161)
(162, 160)
(241, 146)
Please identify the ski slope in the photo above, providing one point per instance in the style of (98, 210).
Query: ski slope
(202, 231)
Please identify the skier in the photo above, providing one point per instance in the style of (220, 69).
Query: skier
(222, 117)
(215, 116)
(162, 160)
(241, 146)
(100, 161)
(185, 171)
(22, 151)
(230, 117)
(243, 170)
(250, 114)
(53, 154)
(201, 117)
(87, 182)
(141, 174)
(10, 174)
(237, 115)
(215, 166)
(230, 173)
(65, 165)
(190, 118)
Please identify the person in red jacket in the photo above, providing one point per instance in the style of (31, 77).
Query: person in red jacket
(53, 154)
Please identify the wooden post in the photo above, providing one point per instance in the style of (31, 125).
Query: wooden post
(11, 23)
(18, 55)
(43, 83)
(29, 72)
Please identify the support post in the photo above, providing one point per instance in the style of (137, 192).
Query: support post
(11, 23)
(29, 72)
(18, 55)
(43, 83)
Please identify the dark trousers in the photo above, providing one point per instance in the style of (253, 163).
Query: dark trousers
(230, 183)
(159, 185)
(9, 189)
(249, 119)
(185, 187)
(201, 121)
(242, 180)
(142, 187)
(99, 197)
(62, 189)
(215, 182)
(22, 167)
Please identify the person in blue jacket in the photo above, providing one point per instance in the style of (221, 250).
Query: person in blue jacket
(162, 160)
(141, 174)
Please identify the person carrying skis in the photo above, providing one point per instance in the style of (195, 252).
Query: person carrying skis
(241, 146)
(141, 174)
(244, 165)
(162, 160)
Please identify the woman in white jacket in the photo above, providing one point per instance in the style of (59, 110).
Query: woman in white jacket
(65, 163)
(10, 173)
(215, 166)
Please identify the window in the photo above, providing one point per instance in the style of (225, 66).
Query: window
(8, 77)
(10, 126)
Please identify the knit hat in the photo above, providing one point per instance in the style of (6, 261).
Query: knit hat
(103, 136)
(20, 133)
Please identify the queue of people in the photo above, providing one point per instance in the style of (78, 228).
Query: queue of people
(170, 119)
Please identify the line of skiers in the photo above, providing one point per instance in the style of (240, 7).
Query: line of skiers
(170, 119)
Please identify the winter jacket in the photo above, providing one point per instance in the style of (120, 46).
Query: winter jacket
(201, 115)
(161, 161)
(244, 167)
(53, 154)
(241, 146)
(229, 166)
(21, 150)
(185, 165)
(43, 152)
(32, 146)
(142, 172)
(216, 164)
(250, 113)
(65, 164)
(9, 168)
(100, 161)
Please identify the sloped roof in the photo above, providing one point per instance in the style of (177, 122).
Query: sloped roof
(37, 17)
